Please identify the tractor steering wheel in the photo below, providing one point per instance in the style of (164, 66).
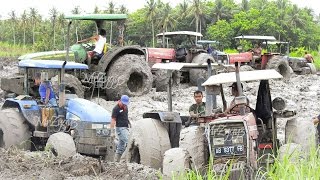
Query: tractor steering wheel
(88, 46)
(233, 111)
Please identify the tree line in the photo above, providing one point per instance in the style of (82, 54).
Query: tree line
(219, 20)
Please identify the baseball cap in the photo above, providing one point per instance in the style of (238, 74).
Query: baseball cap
(234, 85)
(124, 99)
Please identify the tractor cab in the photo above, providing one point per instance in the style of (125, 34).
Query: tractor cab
(80, 50)
(212, 47)
(184, 43)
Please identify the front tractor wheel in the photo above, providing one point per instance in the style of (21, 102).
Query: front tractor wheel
(195, 74)
(13, 130)
(130, 75)
(148, 142)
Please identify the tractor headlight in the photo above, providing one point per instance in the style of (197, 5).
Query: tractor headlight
(218, 141)
(237, 140)
(73, 117)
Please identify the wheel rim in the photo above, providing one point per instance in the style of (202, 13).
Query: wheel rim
(135, 155)
(135, 82)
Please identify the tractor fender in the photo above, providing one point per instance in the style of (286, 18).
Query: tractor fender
(115, 53)
(167, 117)
(29, 109)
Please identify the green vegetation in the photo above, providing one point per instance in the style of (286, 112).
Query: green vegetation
(294, 165)
(9, 50)
(216, 19)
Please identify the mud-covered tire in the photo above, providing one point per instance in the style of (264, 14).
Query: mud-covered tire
(291, 151)
(246, 68)
(175, 162)
(148, 141)
(195, 74)
(281, 65)
(131, 75)
(14, 130)
(193, 140)
(161, 80)
(312, 67)
(301, 132)
(73, 84)
(61, 144)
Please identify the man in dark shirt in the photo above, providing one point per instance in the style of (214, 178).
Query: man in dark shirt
(121, 121)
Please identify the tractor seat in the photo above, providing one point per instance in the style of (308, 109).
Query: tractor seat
(181, 53)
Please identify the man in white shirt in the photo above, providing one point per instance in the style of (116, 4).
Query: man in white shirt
(99, 45)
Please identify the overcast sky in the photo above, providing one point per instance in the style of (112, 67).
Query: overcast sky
(66, 6)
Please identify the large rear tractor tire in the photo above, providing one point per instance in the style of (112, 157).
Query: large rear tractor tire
(61, 144)
(130, 75)
(281, 65)
(161, 80)
(13, 130)
(148, 141)
(73, 84)
(176, 162)
(195, 74)
(301, 132)
(313, 69)
(193, 140)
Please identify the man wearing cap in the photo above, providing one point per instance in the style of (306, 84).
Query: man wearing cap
(121, 121)
(235, 93)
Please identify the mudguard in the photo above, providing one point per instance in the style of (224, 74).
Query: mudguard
(116, 52)
(168, 117)
(29, 109)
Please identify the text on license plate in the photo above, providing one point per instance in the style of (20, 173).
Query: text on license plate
(229, 150)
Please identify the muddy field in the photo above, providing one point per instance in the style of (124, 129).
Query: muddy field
(301, 94)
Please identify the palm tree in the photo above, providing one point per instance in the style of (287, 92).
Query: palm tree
(76, 10)
(111, 10)
(167, 20)
(53, 13)
(220, 11)
(244, 5)
(151, 16)
(123, 9)
(34, 19)
(294, 18)
(282, 6)
(13, 19)
(61, 25)
(24, 24)
(197, 10)
(183, 9)
(96, 10)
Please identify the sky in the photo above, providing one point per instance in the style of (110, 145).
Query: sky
(43, 6)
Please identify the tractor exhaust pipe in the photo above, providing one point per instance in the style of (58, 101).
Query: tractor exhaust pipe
(62, 87)
(239, 87)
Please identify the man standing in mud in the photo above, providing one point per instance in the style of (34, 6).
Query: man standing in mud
(197, 109)
(121, 121)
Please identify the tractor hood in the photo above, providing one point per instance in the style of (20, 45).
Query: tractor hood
(88, 111)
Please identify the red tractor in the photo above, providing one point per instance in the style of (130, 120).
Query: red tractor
(258, 60)
(178, 46)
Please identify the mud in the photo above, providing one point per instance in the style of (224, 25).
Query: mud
(301, 94)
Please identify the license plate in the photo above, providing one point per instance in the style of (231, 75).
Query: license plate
(229, 150)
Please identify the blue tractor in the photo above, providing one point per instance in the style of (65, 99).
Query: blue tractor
(75, 125)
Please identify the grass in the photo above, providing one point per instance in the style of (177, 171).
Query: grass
(293, 166)
(9, 50)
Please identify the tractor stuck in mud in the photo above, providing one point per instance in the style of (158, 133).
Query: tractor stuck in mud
(240, 141)
(121, 70)
(72, 126)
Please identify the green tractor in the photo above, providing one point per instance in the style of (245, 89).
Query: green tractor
(121, 69)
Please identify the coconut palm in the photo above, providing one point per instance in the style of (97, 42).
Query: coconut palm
(111, 10)
(24, 22)
(123, 9)
(167, 20)
(197, 10)
(151, 16)
(34, 19)
(13, 19)
(53, 12)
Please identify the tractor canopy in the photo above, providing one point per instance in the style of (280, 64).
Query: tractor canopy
(50, 64)
(176, 33)
(253, 37)
(94, 17)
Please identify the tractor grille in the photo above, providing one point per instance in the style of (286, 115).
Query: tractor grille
(228, 140)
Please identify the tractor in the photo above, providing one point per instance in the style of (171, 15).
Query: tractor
(299, 65)
(72, 126)
(121, 70)
(178, 46)
(239, 141)
(249, 60)
(217, 54)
